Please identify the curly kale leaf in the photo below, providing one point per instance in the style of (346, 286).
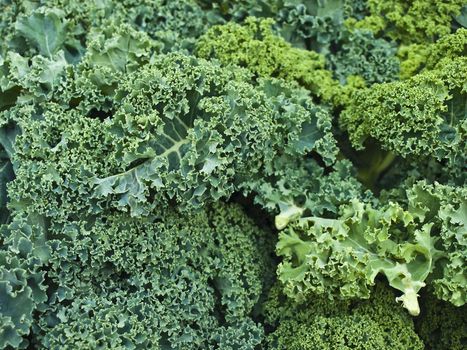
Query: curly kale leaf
(169, 280)
(254, 45)
(416, 21)
(46, 30)
(417, 57)
(359, 53)
(319, 324)
(341, 258)
(421, 118)
(310, 24)
(23, 253)
(188, 129)
(26, 80)
(295, 187)
(442, 325)
(67, 25)
(446, 206)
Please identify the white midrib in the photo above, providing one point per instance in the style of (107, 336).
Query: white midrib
(174, 148)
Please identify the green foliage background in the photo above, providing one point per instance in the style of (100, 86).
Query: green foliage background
(272, 174)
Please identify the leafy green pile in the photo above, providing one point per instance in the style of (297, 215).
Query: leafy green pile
(270, 174)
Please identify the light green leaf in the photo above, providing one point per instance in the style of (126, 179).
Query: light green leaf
(45, 29)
